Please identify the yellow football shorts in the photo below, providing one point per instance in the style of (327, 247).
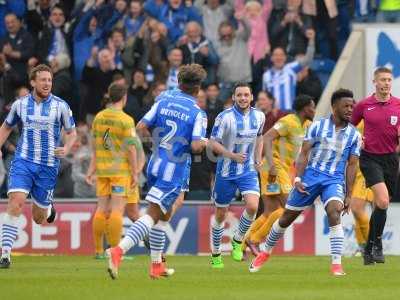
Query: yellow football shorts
(282, 179)
(118, 186)
(360, 191)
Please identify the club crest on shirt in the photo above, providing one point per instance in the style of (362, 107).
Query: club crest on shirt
(393, 120)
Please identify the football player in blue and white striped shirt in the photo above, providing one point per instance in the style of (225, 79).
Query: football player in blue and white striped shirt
(35, 166)
(179, 128)
(237, 138)
(326, 168)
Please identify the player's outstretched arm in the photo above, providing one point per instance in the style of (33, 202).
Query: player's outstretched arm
(351, 172)
(5, 131)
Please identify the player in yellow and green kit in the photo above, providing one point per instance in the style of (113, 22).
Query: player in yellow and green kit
(281, 146)
(117, 161)
(360, 197)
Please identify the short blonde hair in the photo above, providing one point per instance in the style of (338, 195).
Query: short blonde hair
(382, 70)
(253, 4)
(38, 69)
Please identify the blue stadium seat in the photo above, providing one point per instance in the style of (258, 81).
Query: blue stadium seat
(323, 68)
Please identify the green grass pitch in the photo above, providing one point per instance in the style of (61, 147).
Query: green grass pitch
(68, 277)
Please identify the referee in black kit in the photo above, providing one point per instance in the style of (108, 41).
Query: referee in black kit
(379, 161)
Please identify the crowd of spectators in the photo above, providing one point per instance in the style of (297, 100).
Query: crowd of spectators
(91, 43)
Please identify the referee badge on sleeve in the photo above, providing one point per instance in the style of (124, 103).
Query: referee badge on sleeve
(393, 120)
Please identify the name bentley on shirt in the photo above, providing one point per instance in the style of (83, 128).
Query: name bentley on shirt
(175, 114)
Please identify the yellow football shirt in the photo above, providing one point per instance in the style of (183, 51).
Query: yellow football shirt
(287, 146)
(360, 128)
(113, 131)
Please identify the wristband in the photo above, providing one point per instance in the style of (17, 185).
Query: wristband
(297, 179)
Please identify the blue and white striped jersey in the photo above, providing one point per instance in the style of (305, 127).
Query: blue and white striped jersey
(238, 133)
(176, 121)
(282, 84)
(41, 127)
(331, 149)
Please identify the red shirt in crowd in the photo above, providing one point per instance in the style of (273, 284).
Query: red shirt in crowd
(381, 123)
(271, 118)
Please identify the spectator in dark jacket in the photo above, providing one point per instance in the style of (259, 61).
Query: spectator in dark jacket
(135, 104)
(214, 105)
(53, 39)
(17, 46)
(17, 7)
(9, 81)
(37, 16)
(288, 31)
(196, 49)
(175, 14)
(202, 169)
(96, 80)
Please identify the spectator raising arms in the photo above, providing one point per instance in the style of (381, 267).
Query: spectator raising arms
(174, 14)
(257, 15)
(53, 39)
(288, 31)
(280, 79)
(88, 33)
(234, 57)
(214, 13)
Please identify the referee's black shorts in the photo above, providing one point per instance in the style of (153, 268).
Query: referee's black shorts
(378, 168)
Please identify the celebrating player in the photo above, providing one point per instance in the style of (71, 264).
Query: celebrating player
(281, 146)
(379, 162)
(35, 166)
(117, 161)
(237, 139)
(327, 160)
(179, 126)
